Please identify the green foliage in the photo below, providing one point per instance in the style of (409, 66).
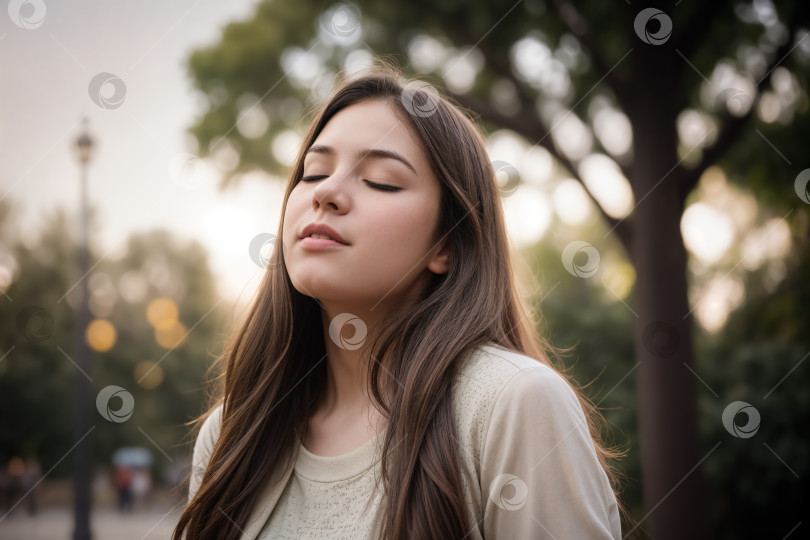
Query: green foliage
(761, 358)
(37, 375)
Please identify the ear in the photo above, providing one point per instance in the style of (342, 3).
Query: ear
(440, 259)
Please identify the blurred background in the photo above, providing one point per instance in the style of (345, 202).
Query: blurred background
(654, 173)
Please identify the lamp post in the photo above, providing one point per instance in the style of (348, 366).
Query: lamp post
(83, 456)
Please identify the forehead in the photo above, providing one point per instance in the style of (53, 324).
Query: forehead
(371, 124)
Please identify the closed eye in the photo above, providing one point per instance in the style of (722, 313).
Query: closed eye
(380, 187)
(313, 178)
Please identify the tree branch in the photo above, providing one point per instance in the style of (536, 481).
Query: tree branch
(527, 102)
(732, 125)
(578, 26)
(527, 126)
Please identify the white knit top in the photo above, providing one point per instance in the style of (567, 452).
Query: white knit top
(329, 497)
(528, 465)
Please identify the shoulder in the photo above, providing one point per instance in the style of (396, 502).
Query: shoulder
(491, 375)
(530, 449)
(204, 447)
(209, 432)
(493, 382)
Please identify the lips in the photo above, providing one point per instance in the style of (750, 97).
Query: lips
(322, 229)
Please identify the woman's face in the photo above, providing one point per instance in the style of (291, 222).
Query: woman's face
(367, 178)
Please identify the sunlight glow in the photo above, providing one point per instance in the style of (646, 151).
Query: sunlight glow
(426, 53)
(771, 241)
(605, 180)
(285, 147)
(706, 232)
(528, 215)
(716, 299)
(571, 202)
(613, 130)
(571, 135)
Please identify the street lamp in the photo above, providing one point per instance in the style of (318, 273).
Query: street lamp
(83, 456)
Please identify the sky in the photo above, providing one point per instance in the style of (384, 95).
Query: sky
(45, 74)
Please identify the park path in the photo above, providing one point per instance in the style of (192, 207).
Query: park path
(106, 524)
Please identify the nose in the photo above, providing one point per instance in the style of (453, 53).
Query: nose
(332, 192)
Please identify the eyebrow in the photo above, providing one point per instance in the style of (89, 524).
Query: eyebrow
(368, 153)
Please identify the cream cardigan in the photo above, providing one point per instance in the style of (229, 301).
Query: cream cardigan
(528, 462)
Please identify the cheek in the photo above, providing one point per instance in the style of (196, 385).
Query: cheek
(404, 236)
(293, 213)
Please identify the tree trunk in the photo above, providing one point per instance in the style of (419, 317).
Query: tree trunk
(666, 388)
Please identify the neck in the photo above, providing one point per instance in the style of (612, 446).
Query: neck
(346, 329)
(347, 388)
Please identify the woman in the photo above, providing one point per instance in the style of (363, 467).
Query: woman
(388, 326)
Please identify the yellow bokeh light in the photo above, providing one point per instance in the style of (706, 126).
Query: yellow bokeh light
(619, 278)
(148, 374)
(171, 337)
(162, 313)
(101, 335)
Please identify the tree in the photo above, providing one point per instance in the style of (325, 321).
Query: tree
(536, 68)
(161, 365)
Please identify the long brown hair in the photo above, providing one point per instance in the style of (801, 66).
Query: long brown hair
(274, 372)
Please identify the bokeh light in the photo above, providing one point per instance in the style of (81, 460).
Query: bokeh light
(162, 313)
(148, 374)
(171, 336)
(101, 335)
